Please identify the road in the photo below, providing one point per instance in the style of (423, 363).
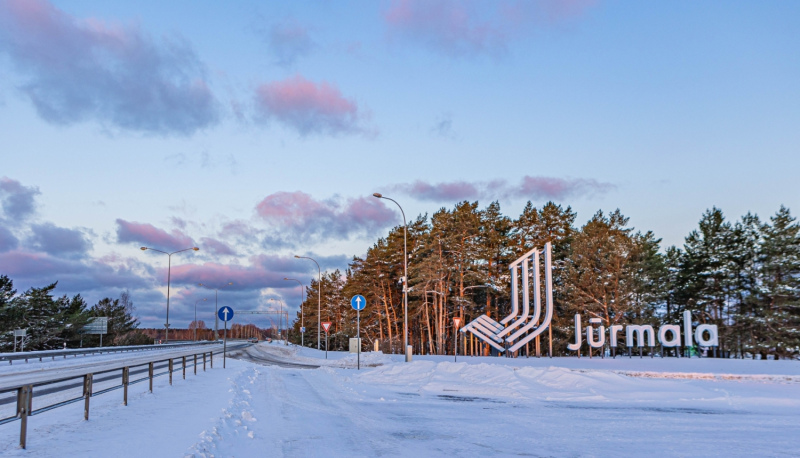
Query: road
(252, 355)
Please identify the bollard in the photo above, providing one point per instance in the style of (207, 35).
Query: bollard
(125, 380)
(195, 364)
(150, 371)
(170, 371)
(183, 365)
(87, 394)
(211, 356)
(23, 410)
(204, 361)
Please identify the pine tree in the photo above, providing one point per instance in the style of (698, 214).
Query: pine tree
(779, 291)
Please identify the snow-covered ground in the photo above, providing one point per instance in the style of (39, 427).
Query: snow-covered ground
(435, 407)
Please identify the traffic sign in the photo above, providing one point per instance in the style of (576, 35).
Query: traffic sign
(326, 325)
(303, 329)
(358, 302)
(225, 313)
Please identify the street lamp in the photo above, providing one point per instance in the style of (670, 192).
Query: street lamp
(280, 320)
(405, 274)
(216, 306)
(169, 272)
(302, 316)
(195, 316)
(319, 298)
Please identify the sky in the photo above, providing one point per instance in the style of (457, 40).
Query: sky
(259, 130)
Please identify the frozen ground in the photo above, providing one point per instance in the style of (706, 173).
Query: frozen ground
(435, 407)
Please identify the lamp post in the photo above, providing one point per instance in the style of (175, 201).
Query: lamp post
(195, 317)
(169, 274)
(319, 298)
(216, 306)
(405, 274)
(302, 316)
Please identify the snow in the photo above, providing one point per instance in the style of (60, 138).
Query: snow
(437, 407)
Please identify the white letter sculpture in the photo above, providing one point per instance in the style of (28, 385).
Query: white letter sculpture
(497, 334)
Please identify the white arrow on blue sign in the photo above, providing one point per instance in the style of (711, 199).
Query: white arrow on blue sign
(303, 329)
(225, 313)
(358, 302)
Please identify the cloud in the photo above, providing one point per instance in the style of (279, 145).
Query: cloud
(76, 276)
(8, 241)
(18, 201)
(308, 107)
(143, 233)
(444, 127)
(84, 69)
(299, 214)
(460, 28)
(215, 246)
(449, 26)
(289, 41)
(56, 240)
(532, 188)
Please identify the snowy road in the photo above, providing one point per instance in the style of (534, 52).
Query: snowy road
(433, 407)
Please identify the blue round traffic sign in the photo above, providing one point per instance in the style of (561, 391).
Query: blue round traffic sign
(225, 313)
(358, 302)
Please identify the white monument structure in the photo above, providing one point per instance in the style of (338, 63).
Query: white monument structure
(517, 329)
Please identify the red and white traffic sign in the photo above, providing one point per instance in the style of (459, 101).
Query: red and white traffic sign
(326, 325)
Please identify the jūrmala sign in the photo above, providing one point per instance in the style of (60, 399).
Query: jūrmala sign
(514, 331)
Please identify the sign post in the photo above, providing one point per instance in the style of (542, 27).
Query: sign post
(21, 333)
(358, 302)
(225, 314)
(456, 324)
(326, 325)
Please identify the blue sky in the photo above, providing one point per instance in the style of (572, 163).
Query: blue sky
(258, 130)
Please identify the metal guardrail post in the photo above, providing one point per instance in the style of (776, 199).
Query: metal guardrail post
(87, 394)
(150, 373)
(204, 361)
(211, 355)
(23, 409)
(195, 364)
(183, 366)
(125, 380)
(170, 371)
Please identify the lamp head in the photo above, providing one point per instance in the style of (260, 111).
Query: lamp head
(196, 249)
(144, 248)
(200, 284)
(285, 278)
(230, 282)
(298, 257)
(378, 195)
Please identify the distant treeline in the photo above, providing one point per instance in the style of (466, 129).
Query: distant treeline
(51, 322)
(743, 276)
(235, 331)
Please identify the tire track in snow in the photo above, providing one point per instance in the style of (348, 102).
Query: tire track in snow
(338, 424)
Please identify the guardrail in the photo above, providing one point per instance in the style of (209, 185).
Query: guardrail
(85, 378)
(40, 355)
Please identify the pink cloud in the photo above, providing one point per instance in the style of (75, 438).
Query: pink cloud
(535, 188)
(77, 70)
(308, 107)
(448, 25)
(147, 234)
(469, 27)
(307, 217)
(440, 192)
(74, 275)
